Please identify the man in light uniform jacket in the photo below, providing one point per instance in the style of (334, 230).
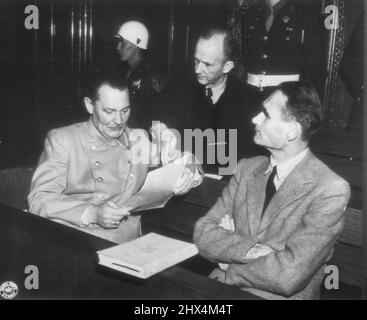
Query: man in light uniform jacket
(89, 170)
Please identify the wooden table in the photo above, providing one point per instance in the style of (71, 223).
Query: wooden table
(68, 269)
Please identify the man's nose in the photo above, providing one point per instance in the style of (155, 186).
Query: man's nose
(119, 46)
(118, 118)
(198, 67)
(258, 119)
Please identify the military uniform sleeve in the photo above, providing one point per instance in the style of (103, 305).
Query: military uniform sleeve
(49, 181)
(288, 271)
(315, 36)
(214, 242)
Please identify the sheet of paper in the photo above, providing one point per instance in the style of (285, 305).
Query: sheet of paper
(158, 187)
(213, 176)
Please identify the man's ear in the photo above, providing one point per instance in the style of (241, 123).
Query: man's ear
(88, 105)
(228, 66)
(294, 131)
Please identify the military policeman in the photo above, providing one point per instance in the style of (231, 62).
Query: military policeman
(282, 40)
(144, 82)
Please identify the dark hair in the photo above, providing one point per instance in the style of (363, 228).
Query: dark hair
(303, 105)
(229, 45)
(95, 79)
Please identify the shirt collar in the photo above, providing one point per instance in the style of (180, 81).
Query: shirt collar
(218, 89)
(94, 136)
(277, 7)
(284, 169)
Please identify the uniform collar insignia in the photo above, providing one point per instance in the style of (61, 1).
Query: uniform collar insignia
(136, 84)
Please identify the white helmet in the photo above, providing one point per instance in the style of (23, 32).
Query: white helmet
(134, 32)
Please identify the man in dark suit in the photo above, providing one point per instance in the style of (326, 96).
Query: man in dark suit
(274, 228)
(217, 101)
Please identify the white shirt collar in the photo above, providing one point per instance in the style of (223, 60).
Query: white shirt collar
(285, 168)
(218, 89)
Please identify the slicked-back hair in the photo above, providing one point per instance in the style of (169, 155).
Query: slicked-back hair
(229, 45)
(303, 105)
(96, 79)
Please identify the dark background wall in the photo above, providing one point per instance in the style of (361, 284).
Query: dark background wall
(42, 69)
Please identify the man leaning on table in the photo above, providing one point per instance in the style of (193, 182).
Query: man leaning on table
(89, 170)
(275, 225)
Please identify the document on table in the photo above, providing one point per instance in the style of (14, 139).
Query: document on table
(158, 187)
(146, 255)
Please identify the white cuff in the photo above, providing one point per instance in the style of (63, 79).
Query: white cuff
(197, 177)
(84, 217)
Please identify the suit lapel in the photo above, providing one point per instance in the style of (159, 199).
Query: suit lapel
(256, 196)
(295, 186)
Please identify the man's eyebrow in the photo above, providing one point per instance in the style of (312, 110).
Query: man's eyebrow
(109, 109)
(204, 62)
(113, 109)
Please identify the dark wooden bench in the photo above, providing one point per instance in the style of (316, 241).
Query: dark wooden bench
(341, 150)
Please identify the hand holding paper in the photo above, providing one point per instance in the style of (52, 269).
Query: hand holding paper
(168, 147)
(185, 183)
(107, 215)
(168, 142)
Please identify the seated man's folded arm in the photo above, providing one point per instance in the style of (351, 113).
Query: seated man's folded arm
(289, 271)
(49, 181)
(215, 242)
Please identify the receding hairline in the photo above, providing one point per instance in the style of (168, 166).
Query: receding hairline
(111, 86)
(215, 37)
(213, 44)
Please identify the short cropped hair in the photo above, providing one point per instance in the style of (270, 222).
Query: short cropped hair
(229, 45)
(303, 105)
(94, 80)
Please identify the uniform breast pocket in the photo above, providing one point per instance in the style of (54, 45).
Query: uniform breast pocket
(291, 35)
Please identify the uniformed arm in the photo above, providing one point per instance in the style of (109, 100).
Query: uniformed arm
(49, 181)
(215, 242)
(289, 271)
(315, 36)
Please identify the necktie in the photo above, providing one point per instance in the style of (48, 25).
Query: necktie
(269, 19)
(209, 94)
(270, 188)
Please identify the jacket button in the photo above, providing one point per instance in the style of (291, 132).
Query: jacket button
(98, 164)
(132, 175)
(263, 72)
(100, 179)
(266, 38)
(264, 56)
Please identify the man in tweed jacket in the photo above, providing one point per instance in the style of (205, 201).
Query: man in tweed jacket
(278, 250)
